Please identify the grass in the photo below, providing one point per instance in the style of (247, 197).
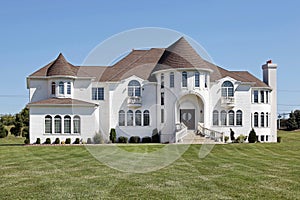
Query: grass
(234, 171)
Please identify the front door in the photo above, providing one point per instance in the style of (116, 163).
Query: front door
(187, 116)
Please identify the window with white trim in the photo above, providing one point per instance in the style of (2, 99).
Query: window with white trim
(262, 119)
(67, 124)
(138, 118)
(162, 81)
(215, 118)
(146, 118)
(171, 79)
(76, 124)
(134, 88)
(68, 87)
(231, 118)
(239, 118)
(184, 79)
(129, 118)
(121, 118)
(223, 118)
(57, 124)
(197, 79)
(53, 88)
(61, 87)
(227, 89)
(48, 124)
(255, 119)
(98, 93)
(255, 96)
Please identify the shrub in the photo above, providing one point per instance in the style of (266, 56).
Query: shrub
(98, 138)
(26, 141)
(77, 141)
(68, 141)
(232, 135)
(123, 139)
(48, 141)
(278, 139)
(89, 141)
(226, 138)
(252, 136)
(62, 142)
(38, 141)
(113, 135)
(146, 139)
(155, 136)
(240, 139)
(57, 141)
(3, 131)
(25, 132)
(134, 139)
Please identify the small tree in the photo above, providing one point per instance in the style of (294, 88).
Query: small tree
(232, 135)
(98, 138)
(3, 131)
(113, 135)
(252, 136)
(291, 122)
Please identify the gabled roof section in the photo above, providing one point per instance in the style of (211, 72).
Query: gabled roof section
(62, 101)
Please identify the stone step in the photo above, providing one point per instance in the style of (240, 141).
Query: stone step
(192, 138)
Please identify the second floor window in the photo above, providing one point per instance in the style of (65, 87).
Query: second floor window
(61, 88)
(255, 96)
(171, 79)
(134, 89)
(98, 93)
(184, 79)
(162, 81)
(53, 88)
(68, 87)
(227, 89)
(197, 81)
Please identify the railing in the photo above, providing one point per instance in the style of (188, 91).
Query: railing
(227, 101)
(181, 131)
(213, 135)
(134, 101)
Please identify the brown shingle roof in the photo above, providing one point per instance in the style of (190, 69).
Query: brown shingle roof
(62, 101)
(143, 63)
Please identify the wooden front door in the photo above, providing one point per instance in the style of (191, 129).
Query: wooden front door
(187, 116)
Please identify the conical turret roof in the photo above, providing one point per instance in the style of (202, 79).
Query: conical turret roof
(61, 67)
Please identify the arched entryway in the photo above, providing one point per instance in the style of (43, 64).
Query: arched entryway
(190, 111)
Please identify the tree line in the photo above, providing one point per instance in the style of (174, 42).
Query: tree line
(293, 122)
(18, 123)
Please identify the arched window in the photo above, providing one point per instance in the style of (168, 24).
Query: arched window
(53, 88)
(61, 88)
(138, 118)
(48, 124)
(215, 118)
(262, 119)
(223, 118)
(76, 124)
(146, 118)
(197, 80)
(129, 118)
(68, 87)
(171, 79)
(239, 118)
(121, 118)
(57, 124)
(231, 118)
(134, 88)
(162, 81)
(227, 89)
(184, 79)
(67, 124)
(256, 119)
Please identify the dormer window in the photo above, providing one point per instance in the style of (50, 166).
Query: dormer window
(53, 88)
(227, 89)
(134, 89)
(61, 88)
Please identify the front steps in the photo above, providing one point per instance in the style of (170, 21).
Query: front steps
(192, 138)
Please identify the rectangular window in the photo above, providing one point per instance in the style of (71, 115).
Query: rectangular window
(69, 88)
(267, 138)
(262, 138)
(197, 81)
(184, 79)
(255, 96)
(267, 96)
(162, 116)
(97, 93)
(262, 96)
(162, 81)
(67, 125)
(162, 98)
(205, 81)
(171, 79)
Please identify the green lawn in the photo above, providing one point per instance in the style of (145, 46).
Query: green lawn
(232, 171)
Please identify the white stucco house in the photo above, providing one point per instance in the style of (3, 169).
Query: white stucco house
(158, 88)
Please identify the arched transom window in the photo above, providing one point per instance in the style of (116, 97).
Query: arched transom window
(134, 88)
(227, 89)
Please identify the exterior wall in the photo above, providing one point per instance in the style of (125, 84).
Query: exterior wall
(89, 122)
(38, 90)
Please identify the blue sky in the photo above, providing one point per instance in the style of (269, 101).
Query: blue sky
(238, 35)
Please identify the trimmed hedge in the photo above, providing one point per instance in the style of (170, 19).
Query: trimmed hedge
(134, 139)
(146, 139)
(123, 139)
(68, 141)
(57, 141)
(77, 141)
(38, 141)
(113, 135)
(26, 141)
(48, 141)
(89, 141)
